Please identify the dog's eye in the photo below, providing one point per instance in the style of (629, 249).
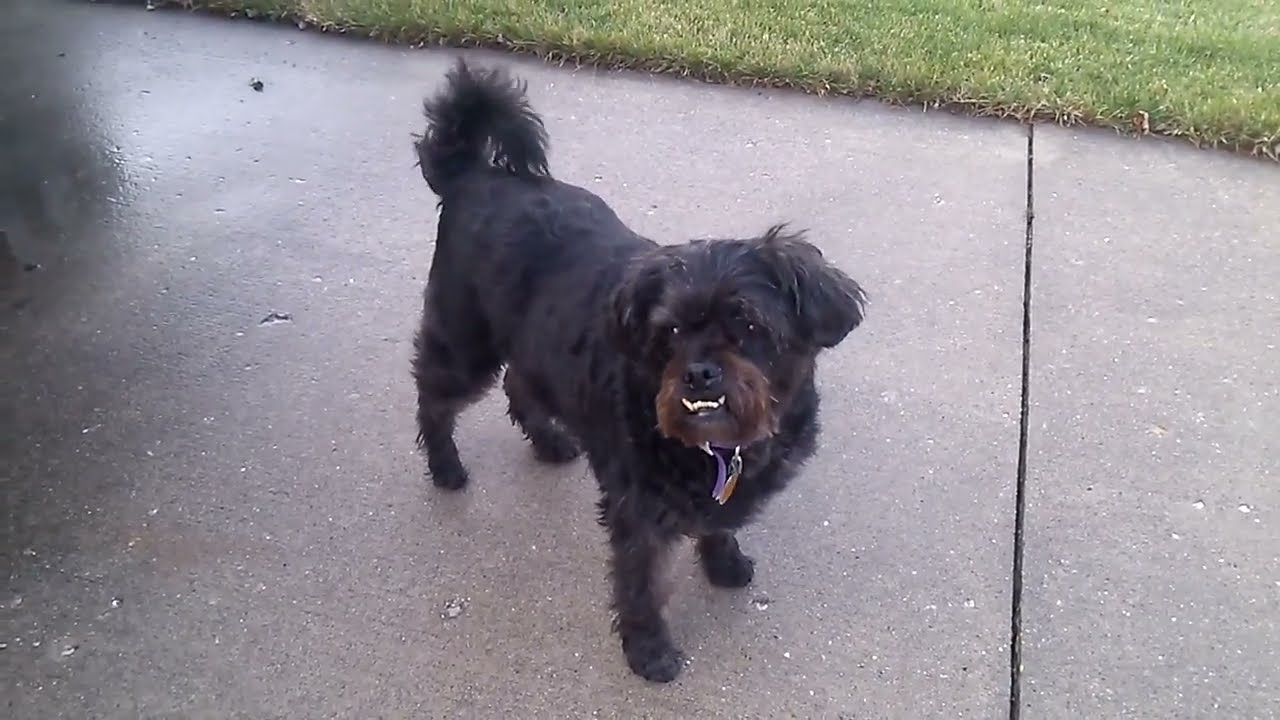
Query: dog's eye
(675, 329)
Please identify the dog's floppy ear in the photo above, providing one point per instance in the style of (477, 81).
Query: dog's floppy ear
(630, 307)
(828, 303)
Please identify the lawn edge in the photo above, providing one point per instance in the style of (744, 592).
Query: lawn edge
(583, 54)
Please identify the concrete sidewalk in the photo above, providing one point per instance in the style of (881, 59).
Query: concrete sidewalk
(212, 511)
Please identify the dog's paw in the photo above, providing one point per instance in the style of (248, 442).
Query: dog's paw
(448, 476)
(653, 658)
(726, 566)
(555, 447)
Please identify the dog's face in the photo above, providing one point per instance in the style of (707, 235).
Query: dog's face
(728, 329)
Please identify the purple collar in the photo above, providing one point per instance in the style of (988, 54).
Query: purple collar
(727, 473)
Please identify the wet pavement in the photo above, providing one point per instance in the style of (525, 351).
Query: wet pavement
(212, 505)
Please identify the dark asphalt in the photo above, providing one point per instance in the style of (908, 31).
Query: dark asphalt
(212, 505)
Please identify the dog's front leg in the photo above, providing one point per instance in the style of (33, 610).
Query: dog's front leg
(639, 554)
(723, 561)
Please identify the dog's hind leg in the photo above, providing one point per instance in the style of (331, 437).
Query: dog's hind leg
(452, 370)
(551, 443)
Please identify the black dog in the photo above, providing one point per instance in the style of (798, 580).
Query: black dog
(685, 373)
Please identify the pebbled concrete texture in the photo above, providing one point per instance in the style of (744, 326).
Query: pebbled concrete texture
(1152, 572)
(209, 515)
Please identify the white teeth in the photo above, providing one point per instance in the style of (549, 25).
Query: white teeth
(694, 406)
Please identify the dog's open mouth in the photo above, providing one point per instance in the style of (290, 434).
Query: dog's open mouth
(703, 408)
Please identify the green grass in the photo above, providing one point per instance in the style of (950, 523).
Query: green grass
(1205, 70)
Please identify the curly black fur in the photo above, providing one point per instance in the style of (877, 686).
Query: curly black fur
(606, 336)
(479, 112)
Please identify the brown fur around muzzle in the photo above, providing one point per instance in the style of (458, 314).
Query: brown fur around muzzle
(749, 409)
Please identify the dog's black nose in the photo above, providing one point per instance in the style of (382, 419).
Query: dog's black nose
(703, 377)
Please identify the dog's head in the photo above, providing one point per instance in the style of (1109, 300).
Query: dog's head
(728, 329)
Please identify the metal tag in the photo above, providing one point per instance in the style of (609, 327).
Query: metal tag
(735, 471)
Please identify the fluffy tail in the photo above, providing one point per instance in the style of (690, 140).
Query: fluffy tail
(480, 117)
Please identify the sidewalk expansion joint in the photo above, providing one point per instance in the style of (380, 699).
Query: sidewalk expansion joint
(1020, 494)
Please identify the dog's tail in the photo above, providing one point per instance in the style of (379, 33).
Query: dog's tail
(480, 117)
